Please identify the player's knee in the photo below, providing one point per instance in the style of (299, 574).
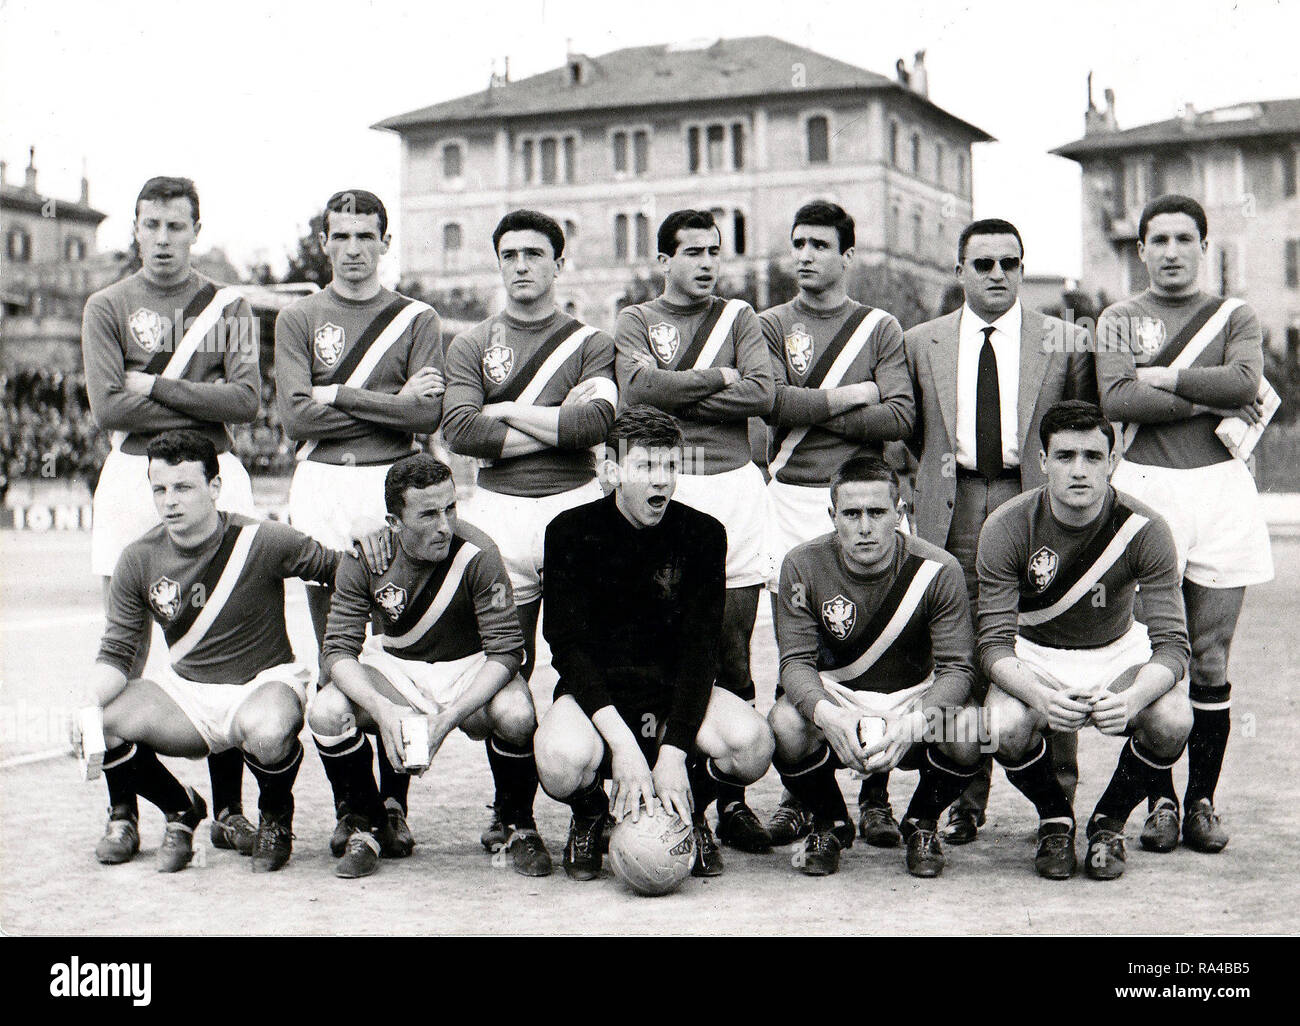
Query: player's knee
(750, 746)
(271, 741)
(564, 759)
(1166, 729)
(512, 714)
(791, 733)
(966, 738)
(330, 713)
(1010, 725)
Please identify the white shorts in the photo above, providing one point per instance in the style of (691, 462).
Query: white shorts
(876, 703)
(1094, 669)
(737, 498)
(123, 504)
(517, 523)
(1215, 516)
(796, 514)
(429, 687)
(212, 708)
(331, 502)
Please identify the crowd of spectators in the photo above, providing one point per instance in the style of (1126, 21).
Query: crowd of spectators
(47, 431)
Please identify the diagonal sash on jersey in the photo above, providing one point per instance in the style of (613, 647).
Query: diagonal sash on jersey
(415, 609)
(455, 572)
(710, 335)
(829, 372)
(379, 337)
(541, 368)
(201, 314)
(208, 598)
(1191, 342)
(1083, 574)
(891, 618)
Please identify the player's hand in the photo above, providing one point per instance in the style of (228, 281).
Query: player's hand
(1252, 413)
(1068, 710)
(1163, 378)
(582, 392)
(497, 411)
(631, 784)
(729, 376)
(1110, 713)
(840, 727)
(641, 357)
(440, 726)
(375, 548)
(139, 382)
(389, 722)
(901, 732)
(324, 394)
(426, 383)
(671, 782)
(863, 393)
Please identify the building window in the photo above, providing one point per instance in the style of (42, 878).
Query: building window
(707, 148)
(1289, 173)
(453, 161)
(452, 239)
(961, 175)
(631, 151)
(916, 232)
(640, 152)
(620, 237)
(74, 250)
(570, 157)
(620, 153)
(549, 159)
(693, 149)
(819, 140)
(738, 232)
(1293, 344)
(737, 146)
(896, 227)
(526, 158)
(1221, 181)
(1293, 263)
(893, 143)
(19, 246)
(717, 137)
(916, 153)
(642, 237)
(938, 163)
(570, 236)
(631, 237)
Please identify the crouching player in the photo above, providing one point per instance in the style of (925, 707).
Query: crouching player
(634, 589)
(446, 643)
(873, 624)
(214, 582)
(1057, 568)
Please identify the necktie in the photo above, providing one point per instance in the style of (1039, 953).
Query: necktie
(988, 411)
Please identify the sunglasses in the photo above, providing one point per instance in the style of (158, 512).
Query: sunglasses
(984, 265)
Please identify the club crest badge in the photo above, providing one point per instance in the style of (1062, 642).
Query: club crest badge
(329, 341)
(839, 615)
(664, 340)
(1149, 334)
(165, 597)
(799, 350)
(498, 362)
(392, 600)
(1042, 568)
(148, 329)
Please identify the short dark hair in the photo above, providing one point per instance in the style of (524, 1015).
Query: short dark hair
(166, 188)
(644, 425)
(530, 221)
(354, 201)
(185, 446)
(863, 469)
(419, 470)
(827, 215)
(987, 226)
(1173, 204)
(1074, 415)
(676, 221)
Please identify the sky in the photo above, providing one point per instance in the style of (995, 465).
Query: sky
(268, 106)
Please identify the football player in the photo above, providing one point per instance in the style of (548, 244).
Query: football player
(873, 628)
(167, 348)
(445, 643)
(214, 582)
(703, 359)
(1058, 568)
(842, 389)
(1172, 362)
(358, 373)
(530, 391)
(634, 591)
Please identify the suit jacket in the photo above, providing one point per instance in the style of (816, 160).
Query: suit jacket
(1056, 362)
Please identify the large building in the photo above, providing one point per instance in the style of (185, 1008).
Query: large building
(1239, 162)
(749, 128)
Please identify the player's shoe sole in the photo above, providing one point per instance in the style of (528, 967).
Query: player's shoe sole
(360, 857)
(177, 848)
(121, 840)
(1160, 831)
(1202, 829)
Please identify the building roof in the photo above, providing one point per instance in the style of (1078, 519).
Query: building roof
(644, 76)
(1257, 119)
(15, 197)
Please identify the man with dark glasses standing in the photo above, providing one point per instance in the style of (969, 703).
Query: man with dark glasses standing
(983, 376)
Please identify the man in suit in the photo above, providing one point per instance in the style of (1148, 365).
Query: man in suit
(983, 376)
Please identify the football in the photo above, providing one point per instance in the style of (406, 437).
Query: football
(653, 855)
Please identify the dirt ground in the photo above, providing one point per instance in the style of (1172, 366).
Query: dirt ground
(50, 882)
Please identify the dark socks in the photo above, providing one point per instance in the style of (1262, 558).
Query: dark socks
(729, 790)
(276, 781)
(813, 782)
(590, 802)
(874, 790)
(1211, 723)
(942, 782)
(348, 765)
(226, 771)
(514, 771)
(704, 788)
(392, 784)
(1137, 774)
(1034, 777)
(154, 782)
(117, 775)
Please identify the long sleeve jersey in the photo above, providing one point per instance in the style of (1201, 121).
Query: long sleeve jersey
(323, 339)
(805, 345)
(220, 604)
(505, 359)
(885, 632)
(433, 612)
(135, 325)
(633, 614)
(1073, 587)
(1145, 331)
(662, 359)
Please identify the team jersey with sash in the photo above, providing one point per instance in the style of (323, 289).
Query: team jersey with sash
(537, 363)
(220, 605)
(1150, 330)
(433, 612)
(368, 349)
(816, 350)
(200, 341)
(884, 633)
(671, 357)
(1073, 587)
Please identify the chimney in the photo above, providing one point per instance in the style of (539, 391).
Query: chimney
(4, 172)
(85, 185)
(30, 183)
(920, 79)
(1188, 113)
(900, 70)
